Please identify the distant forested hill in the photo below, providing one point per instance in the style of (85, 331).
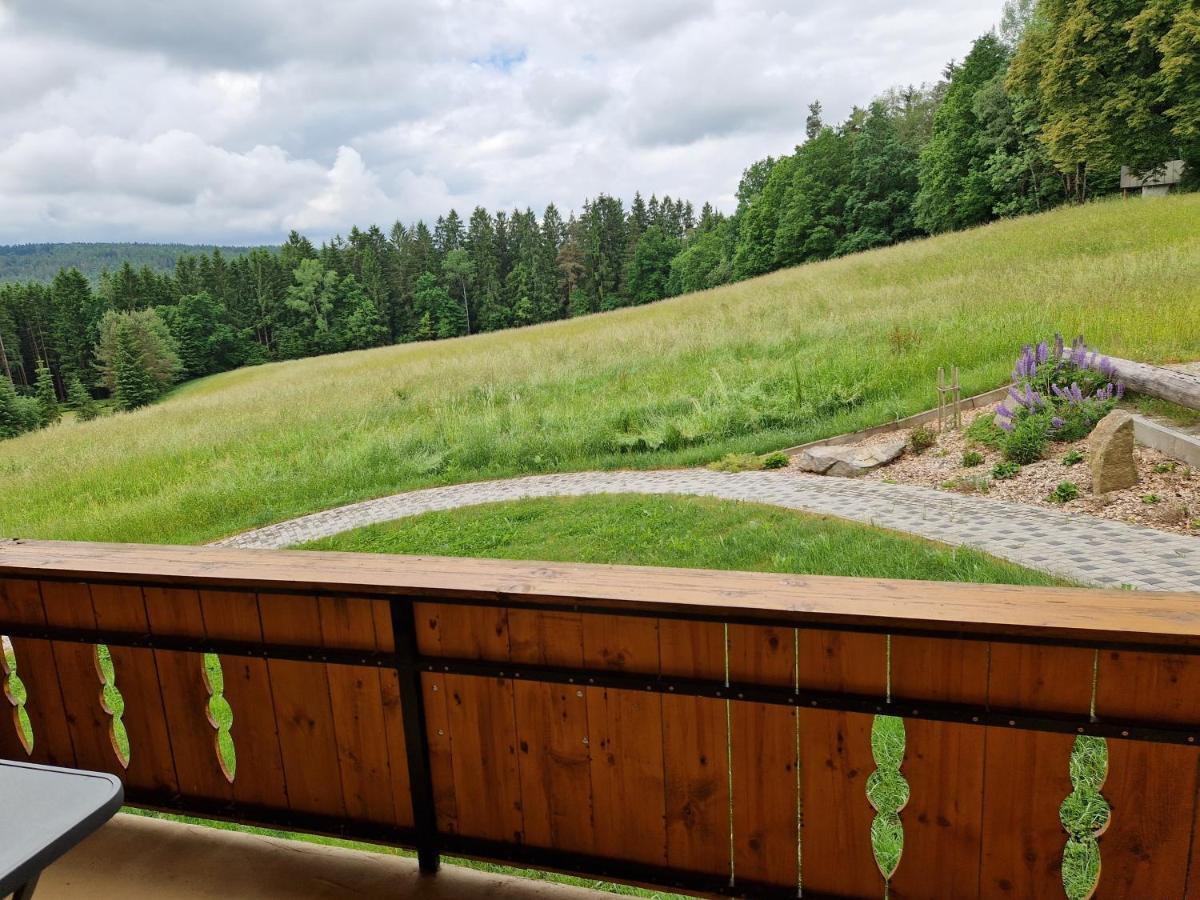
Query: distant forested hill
(41, 262)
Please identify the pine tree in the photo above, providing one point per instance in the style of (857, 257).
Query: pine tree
(80, 400)
(47, 396)
(134, 384)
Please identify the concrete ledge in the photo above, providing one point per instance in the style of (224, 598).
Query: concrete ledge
(136, 857)
(1171, 441)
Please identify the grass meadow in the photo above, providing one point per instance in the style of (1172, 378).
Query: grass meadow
(764, 364)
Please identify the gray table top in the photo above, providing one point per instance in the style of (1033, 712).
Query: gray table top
(44, 812)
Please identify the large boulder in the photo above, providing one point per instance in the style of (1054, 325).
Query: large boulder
(850, 461)
(1110, 453)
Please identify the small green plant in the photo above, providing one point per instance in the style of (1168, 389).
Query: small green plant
(1073, 458)
(968, 485)
(1164, 467)
(1064, 493)
(972, 458)
(983, 430)
(1005, 471)
(1151, 499)
(921, 438)
(1028, 439)
(737, 462)
(902, 339)
(776, 461)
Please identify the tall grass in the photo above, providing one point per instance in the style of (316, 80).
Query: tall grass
(779, 360)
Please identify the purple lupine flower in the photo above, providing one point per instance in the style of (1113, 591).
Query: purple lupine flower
(1056, 423)
(1005, 424)
(1043, 352)
(1059, 392)
(1076, 395)
(1120, 390)
(1004, 412)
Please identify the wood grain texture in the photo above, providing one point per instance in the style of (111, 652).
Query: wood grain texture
(835, 761)
(481, 723)
(151, 760)
(368, 760)
(552, 727)
(79, 679)
(766, 832)
(1085, 615)
(944, 767)
(186, 694)
(234, 615)
(695, 751)
(628, 781)
(1151, 788)
(21, 604)
(303, 707)
(1027, 776)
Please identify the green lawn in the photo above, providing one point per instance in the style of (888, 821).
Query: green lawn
(767, 363)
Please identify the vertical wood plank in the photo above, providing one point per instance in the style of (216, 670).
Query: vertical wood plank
(437, 719)
(259, 780)
(1027, 775)
(151, 761)
(695, 750)
(482, 724)
(69, 605)
(356, 692)
(393, 718)
(628, 782)
(303, 709)
(185, 694)
(766, 834)
(1151, 788)
(944, 766)
(835, 761)
(22, 604)
(552, 728)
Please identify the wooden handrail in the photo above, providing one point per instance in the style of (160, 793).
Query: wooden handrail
(1066, 615)
(619, 722)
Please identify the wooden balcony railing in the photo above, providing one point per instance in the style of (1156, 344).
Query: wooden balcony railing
(655, 726)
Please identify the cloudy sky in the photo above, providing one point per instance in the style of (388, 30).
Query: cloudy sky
(233, 121)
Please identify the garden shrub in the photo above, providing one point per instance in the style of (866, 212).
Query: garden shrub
(972, 458)
(921, 438)
(1073, 458)
(1028, 440)
(776, 461)
(1003, 471)
(984, 430)
(1064, 493)
(737, 462)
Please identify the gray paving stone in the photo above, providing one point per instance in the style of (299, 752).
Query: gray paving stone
(1082, 548)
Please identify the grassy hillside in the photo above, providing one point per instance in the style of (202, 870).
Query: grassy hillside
(41, 262)
(763, 364)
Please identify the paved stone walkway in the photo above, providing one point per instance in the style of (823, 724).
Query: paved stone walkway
(1079, 547)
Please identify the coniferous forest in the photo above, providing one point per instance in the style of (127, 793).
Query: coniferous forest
(1042, 111)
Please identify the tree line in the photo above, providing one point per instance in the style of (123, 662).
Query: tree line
(1042, 111)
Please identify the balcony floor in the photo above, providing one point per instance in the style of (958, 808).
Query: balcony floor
(136, 857)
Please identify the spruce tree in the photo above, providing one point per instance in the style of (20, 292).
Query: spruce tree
(80, 400)
(47, 396)
(135, 384)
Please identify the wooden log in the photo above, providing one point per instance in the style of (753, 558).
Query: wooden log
(1155, 381)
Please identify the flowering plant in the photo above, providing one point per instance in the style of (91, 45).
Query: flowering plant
(1058, 394)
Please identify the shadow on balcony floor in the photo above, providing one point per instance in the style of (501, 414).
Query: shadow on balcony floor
(136, 857)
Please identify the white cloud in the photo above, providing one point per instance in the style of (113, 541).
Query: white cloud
(235, 121)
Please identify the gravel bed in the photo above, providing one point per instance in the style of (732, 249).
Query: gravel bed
(1167, 495)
